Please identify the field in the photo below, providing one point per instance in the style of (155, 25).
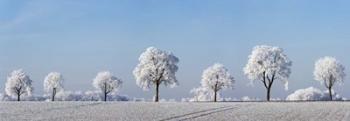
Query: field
(147, 111)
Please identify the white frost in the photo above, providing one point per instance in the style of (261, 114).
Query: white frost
(156, 65)
(214, 79)
(89, 96)
(18, 84)
(329, 71)
(106, 82)
(268, 62)
(311, 94)
(202, 94)
(53, 80)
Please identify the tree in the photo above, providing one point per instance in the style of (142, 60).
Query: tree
(202, 94)
(107, 83)
(267, 64)
(53, 83)
(216, 78)
(18, 83)
(329, 71)
(156, 67)
(312, 94)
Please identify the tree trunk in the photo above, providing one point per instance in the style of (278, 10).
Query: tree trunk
(105, 92)
(105, 97)
(215, 96)
(157, 93)
(330, 93)
(53, 94)
(18, 97)
(216, 88)
(268, 93)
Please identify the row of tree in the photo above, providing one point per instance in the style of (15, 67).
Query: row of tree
(157, 67)
(19, 83)
(265, 64)
(268, 64)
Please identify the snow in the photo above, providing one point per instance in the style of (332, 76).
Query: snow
(171, 111)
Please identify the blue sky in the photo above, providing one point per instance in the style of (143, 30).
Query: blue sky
(81, 38)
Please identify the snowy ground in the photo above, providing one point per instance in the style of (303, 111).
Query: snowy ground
(137, 111)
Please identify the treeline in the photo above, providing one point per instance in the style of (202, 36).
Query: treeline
(266, 64)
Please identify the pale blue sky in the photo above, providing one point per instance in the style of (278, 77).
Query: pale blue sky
(81, 37)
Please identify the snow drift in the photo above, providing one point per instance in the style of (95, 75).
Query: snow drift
(312, 94)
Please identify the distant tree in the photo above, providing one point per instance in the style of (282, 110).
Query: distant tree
(107, 83)
(53, 83)
(216, 78)
(267, 64)
(18, 83)
(202, 94)
(329, 71)
(156, 67)
(312, 94)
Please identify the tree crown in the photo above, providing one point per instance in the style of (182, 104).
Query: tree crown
(53, 80)
(105, 81)
(18, 83)
(268, 62)
(217, 77)
(156, 66)
(328, 70)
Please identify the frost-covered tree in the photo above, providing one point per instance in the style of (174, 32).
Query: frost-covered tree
(202, 94)
(156, 67)
(53, 83)
(267, 64)
(18, 83)
(106, 83)
(329, 71)
(311, 94)
(216, 78)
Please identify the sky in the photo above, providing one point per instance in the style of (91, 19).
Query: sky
(79, 38)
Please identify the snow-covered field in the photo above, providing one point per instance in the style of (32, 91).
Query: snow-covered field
(167, 111)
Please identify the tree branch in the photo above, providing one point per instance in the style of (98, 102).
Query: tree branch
(264, 80)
